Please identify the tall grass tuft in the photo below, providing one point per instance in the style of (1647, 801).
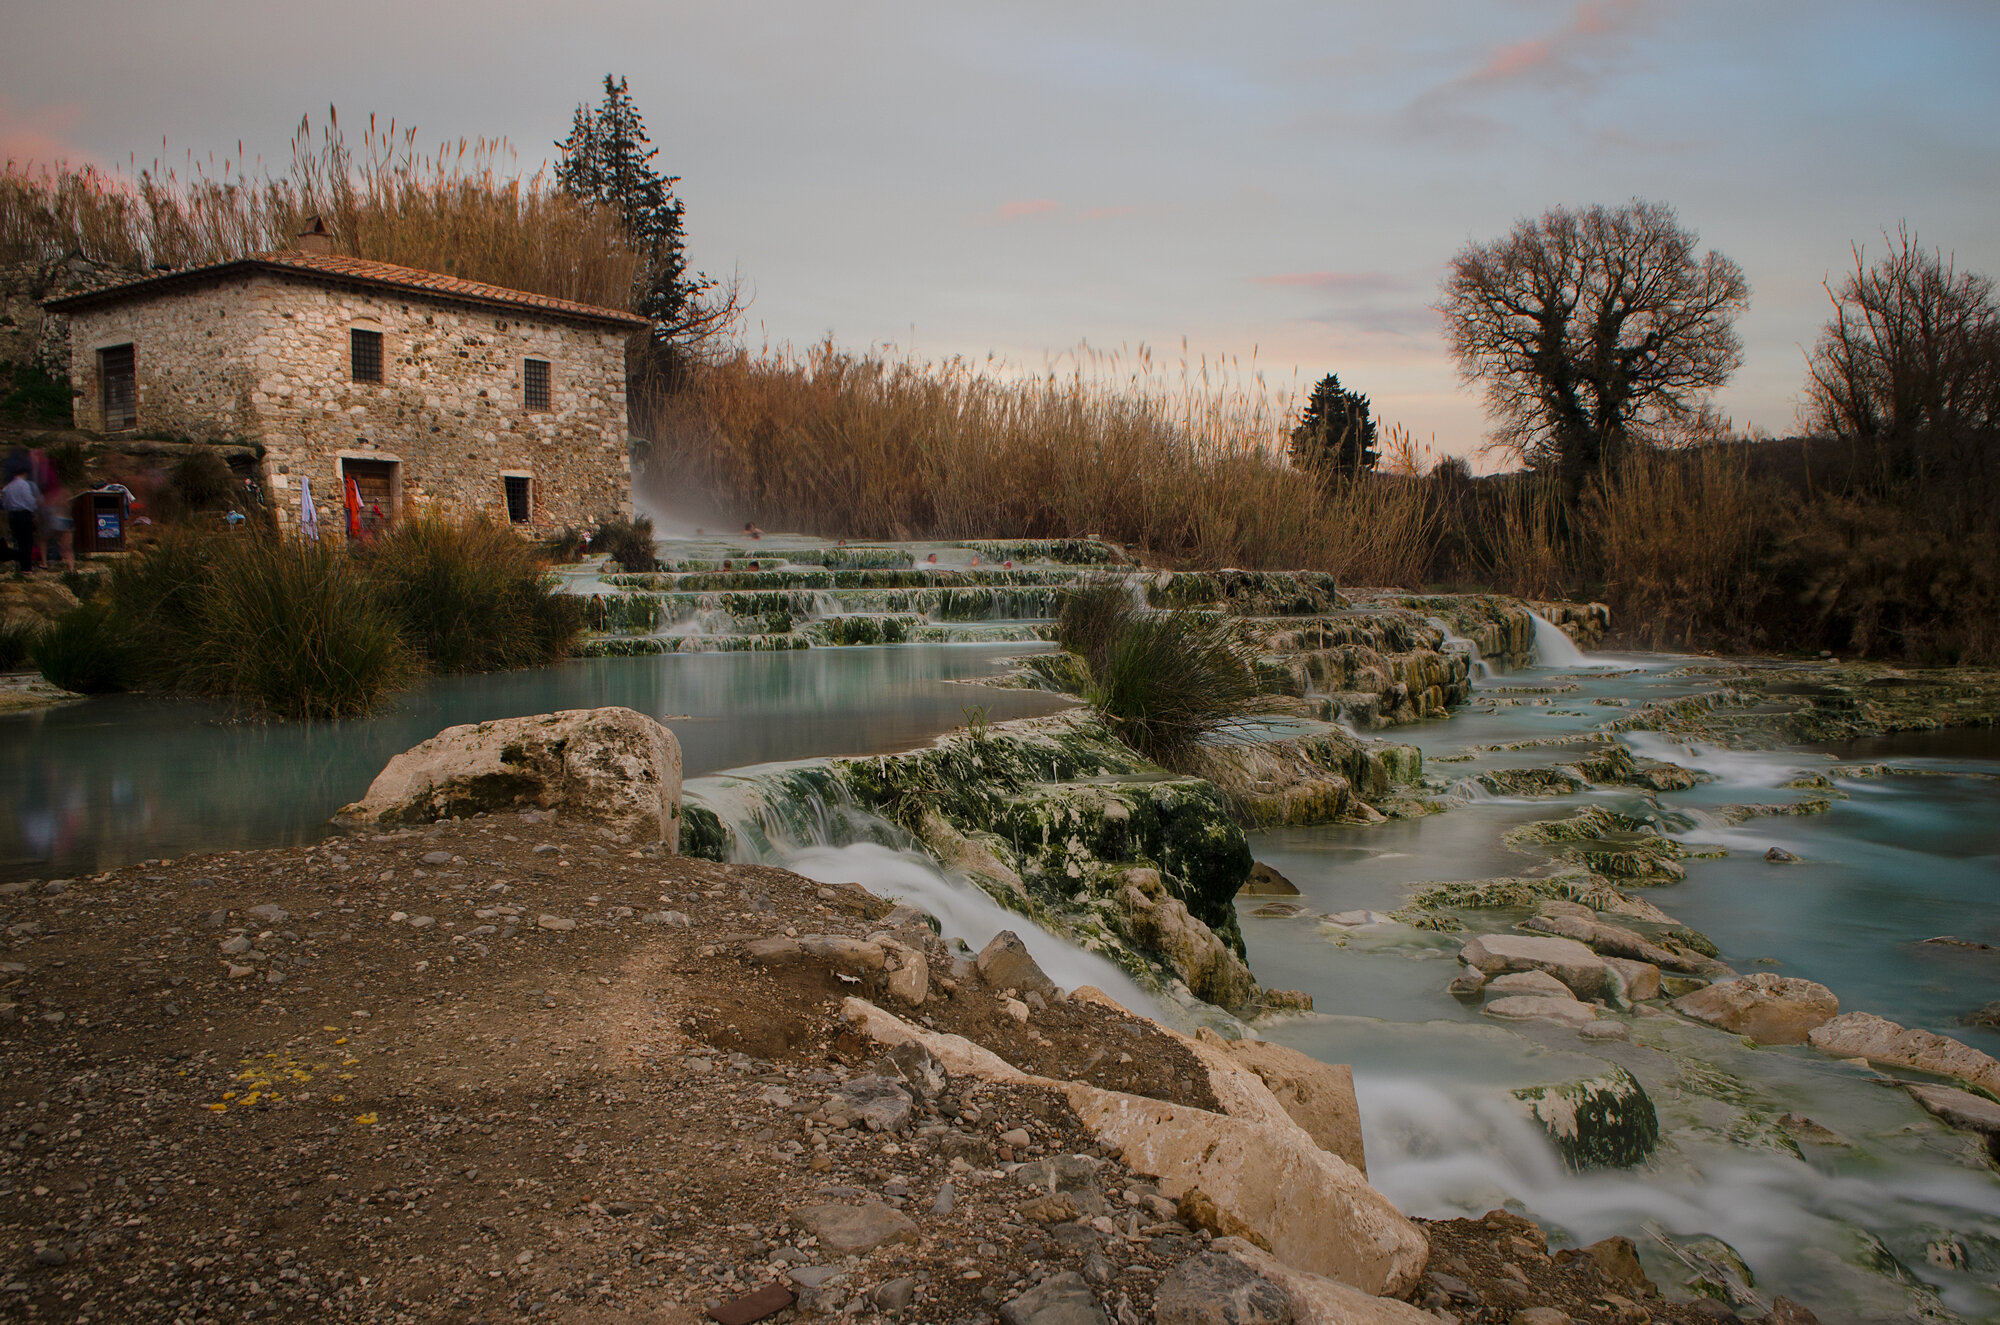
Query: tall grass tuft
(86, 650)
(315, 630)
(288, 626)
(628, 542)
(1163, 680)
(470, 597)
(17, 643)
(1683, 543)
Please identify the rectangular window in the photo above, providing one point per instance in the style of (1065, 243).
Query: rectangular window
(365, 348)
(117, 368)
(535, 383)
(519, 508)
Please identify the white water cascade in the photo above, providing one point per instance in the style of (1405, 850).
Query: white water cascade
(1457, 643)
(775, 819)
(1555, 649)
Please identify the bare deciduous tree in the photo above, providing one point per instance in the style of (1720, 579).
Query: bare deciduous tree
(1914, 346)
(1591, 329)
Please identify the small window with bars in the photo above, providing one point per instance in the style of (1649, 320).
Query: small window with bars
(365, 351)
(520, 506)
(535, 384)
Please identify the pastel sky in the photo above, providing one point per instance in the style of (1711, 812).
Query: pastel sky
(1014, 178)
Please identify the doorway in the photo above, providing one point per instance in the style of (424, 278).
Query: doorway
(118, 370)
(378, 484)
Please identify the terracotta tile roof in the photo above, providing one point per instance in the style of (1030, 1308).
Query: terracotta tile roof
(344, 270)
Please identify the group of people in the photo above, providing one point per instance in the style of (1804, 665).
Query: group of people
(37, 510)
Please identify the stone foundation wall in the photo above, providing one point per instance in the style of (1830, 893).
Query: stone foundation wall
(265, 359)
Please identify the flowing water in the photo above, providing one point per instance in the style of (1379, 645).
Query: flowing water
(1851, 1227)
(1847, 1225)
(108, 781)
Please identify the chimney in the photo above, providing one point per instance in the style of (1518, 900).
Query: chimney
(315, 238)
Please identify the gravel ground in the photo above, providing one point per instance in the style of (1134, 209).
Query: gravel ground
(514, 1068)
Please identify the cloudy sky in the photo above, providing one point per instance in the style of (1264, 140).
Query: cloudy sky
(1280, 180)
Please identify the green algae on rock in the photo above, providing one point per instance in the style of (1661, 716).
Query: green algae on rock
(1604, 1121)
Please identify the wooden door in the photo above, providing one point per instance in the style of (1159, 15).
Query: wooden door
(375, 480)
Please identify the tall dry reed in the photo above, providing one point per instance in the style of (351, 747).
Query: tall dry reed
(1683, 543)
(1189, 471)
(458, 209)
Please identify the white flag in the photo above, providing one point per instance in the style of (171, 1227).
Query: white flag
(308, 514)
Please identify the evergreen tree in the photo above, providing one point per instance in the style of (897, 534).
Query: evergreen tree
(608, 159)
(1335, 435)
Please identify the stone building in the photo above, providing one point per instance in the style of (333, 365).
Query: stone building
(431, 392)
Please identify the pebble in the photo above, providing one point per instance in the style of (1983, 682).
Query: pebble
(441, 857)
(556, 922)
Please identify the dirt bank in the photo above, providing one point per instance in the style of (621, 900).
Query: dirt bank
(511, 1067)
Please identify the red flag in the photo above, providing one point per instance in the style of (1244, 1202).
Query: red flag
(353, 508)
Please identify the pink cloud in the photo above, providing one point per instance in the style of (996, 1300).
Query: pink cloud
(40, 137)
(1032, 207)
(1575, 58)
(1339, 282)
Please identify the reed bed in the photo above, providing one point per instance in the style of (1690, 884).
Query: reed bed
(458, 209)
(1187, 472)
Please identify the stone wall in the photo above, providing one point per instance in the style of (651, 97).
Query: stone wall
(264, 358)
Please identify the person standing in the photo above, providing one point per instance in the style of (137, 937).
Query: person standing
(56, 521)
(20, 499)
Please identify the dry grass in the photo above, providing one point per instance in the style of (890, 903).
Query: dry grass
(1188, 471)
(1683, 544)
(456, 210)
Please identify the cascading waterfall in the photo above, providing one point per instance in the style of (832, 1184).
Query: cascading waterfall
(1481, 670)
(1555, 649)
(800, 817)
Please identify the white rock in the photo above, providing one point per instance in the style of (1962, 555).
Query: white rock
(1583, 971)
(1536, 983)
(612, 765)
(1531, 1007)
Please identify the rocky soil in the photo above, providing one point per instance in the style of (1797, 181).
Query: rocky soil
(513, 1067)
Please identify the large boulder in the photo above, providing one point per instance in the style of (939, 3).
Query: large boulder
(1605, 1121)
(1770, 1009)
(1583, 971)
(1318, 1096)
(1864, 1035)
(1267, 1183)
(1261, 1177)
(611, 765)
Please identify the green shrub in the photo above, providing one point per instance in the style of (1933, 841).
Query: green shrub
(17, 643)
(471, 597)
(288, 625)
(627, 542)
(32, 397)
(158, 596)
(87, 650)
